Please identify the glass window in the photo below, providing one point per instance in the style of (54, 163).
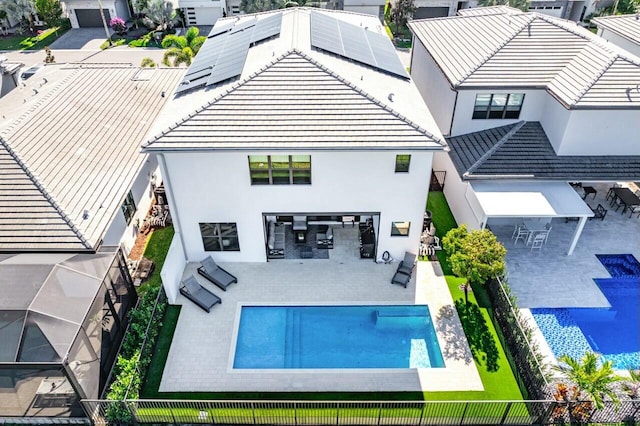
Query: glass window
(402, 163)
(280, 169)
(220, 236)
(498, 106)
(400, 229)
(129, 207)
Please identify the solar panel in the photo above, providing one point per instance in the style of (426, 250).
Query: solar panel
(247, 23)
(267, 27)
(231, 60)
(208, 54)
(353, 42)
(385, 54)
(221, 29)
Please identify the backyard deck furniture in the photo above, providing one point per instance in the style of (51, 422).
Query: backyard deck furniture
(538, 241)
(276, 240)
(589, 190)
(520, 233)
(211, 271)
(194, 291)
(401, 279)
(324, 238)
(626, 198)
(306, 252)
(599, 212)
(407, 264)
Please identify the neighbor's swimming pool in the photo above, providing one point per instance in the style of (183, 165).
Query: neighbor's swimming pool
(613, 332)
(317, 337)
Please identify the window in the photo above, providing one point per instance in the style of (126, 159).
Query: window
(497, 106)
(220, 236)
(129, 207)
(280, 169)
(400, 229)
(402, 163)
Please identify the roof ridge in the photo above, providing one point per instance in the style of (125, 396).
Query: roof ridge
(371, 98)
(527, 22)
(45, 193)
(494, 148)
(314, 62)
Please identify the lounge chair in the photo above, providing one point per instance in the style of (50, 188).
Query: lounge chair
(193, 290)
(216, 274)
(401, 278)
(407, 264)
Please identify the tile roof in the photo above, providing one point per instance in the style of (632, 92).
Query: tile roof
(531, 50)
(294, 103)
(71, 146)
(317, 86)
(626, 26)
(489, 10)
(523, 151)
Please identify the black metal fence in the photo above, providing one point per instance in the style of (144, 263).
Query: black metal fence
(428, 413)
(514, 337)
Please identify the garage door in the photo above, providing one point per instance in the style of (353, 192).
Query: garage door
(91, 17)
(430, 12)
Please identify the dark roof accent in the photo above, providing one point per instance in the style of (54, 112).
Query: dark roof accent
(523, 151)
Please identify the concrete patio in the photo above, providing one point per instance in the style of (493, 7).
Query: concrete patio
(201, 354)
(549, 278)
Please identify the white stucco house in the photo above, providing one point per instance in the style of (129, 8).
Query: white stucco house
(528, 103)
(621, 30)
(86, 13)
(294, 126)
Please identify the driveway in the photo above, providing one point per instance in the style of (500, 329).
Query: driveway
(80, 38)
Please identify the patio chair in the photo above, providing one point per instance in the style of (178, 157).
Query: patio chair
(401, 279)
(194, 291)
(324, 240)
(521, 233)
(610, 193)
(216, 274)
(538, 241)
(407, 264)
(634, 209)
(599, 212)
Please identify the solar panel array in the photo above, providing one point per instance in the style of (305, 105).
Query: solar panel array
(222, 56)
(356, 43)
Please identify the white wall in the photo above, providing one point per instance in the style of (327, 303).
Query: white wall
(91, 4)
(455, 190)
(215, 187)
(554, 120)
(207, 13)
(173, 268)
(365, 8)
(532, 109)
(602, 132)
(619, 41)
(121, 234)
(433, 86)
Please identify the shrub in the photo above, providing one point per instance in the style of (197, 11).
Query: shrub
(148, 62)
(118, 25)
(142, 41)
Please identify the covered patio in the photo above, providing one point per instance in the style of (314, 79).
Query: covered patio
(549, 277)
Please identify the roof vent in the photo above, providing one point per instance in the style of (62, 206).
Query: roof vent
(35, 92)
(86, 214)
(390, 97)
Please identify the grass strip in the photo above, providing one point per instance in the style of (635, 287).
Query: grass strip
(31, 42)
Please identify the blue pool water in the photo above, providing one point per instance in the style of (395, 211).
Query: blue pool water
(613, 332)
(383, 336)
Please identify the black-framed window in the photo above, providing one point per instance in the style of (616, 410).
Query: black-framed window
(498, 105)
(400, 229)
(220, 236)
(402, 163)
(129, 207)
(280, 169)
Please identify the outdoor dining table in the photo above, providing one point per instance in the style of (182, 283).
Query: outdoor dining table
(626, 197)
(534, 227)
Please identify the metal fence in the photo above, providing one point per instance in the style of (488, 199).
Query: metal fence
(428, 413)
(527, 370)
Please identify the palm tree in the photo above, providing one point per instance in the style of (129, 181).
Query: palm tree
(182, 48)
(160, 15)
(590, 379)
(632, 384)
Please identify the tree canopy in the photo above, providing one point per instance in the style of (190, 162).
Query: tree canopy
(523, 5)
(182, 49)
(400, 14)
(20, 10)
(50, 11)
(476, 255)
(160, 14)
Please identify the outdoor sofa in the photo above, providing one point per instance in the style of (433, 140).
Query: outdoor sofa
(211, 271)
(194, 291)
(276, 240)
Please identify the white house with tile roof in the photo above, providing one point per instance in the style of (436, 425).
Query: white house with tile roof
(525, 97)
(295, 131)
(621, 30)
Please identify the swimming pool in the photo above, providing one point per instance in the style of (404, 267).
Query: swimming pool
(613, 332)
(319, 337)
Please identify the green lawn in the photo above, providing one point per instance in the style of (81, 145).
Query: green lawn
(489, 356)
(30, 42)
(156, 250)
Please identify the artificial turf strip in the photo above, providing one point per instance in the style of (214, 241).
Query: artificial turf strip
(161, 352)
(156, 250)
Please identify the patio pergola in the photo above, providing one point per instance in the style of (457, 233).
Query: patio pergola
(543, 199)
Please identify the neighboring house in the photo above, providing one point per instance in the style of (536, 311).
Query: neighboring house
(566, 9)
(73, 186)
(86, 13)
(204, 12)
(368, 7)
(621, 30)
(294, 121)
(529, 102)
(435, 8)
(10, 71)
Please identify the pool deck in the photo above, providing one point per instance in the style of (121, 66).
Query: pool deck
(549, 278)
(201, 354)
